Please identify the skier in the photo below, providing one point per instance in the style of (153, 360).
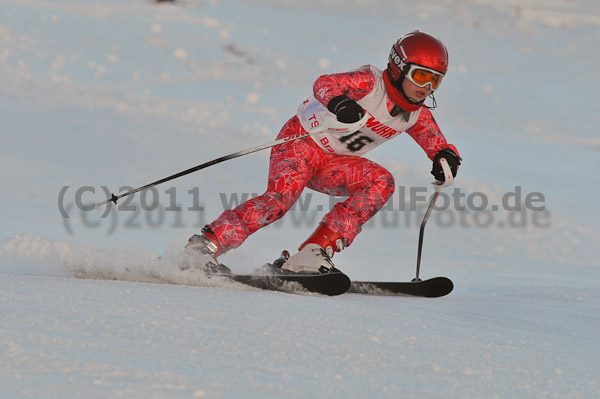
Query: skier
(394, 102)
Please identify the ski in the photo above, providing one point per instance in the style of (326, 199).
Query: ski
(431, 288)
(332, 283)
(270, 277)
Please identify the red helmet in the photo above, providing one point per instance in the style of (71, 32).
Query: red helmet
(417, 48)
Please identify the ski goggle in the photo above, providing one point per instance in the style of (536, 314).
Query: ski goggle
(422, 76)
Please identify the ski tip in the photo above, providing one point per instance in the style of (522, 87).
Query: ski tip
(342, 285)
(430, 288)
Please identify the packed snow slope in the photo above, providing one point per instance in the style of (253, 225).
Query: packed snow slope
(97, 97)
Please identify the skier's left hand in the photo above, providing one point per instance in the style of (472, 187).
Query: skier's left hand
(453, 161)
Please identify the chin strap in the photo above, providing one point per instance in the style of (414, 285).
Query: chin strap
(422, 103)
(434, 105)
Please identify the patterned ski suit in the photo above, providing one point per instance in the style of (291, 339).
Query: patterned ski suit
(330, 163)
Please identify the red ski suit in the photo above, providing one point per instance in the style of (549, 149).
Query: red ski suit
(314, 164)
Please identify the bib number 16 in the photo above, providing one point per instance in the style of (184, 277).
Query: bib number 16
(354, 142)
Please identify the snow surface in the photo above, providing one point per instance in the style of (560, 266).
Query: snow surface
(119, 93)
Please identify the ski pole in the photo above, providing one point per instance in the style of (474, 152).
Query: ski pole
(332, 126)
(437, 186)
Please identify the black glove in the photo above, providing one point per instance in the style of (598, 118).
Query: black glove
(453, 161)
(346, 109)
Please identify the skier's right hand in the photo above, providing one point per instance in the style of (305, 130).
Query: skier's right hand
(345, 109)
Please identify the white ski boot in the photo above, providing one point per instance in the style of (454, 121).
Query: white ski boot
(314, 255)
(312, 258)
